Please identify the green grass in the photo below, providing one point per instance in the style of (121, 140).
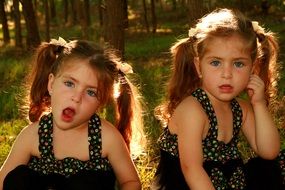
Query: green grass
(12, 92)
(145, 46)
(9, 131)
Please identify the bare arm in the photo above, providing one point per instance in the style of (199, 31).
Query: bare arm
(21, 151)
(116, 150)
(189, 120)
(259, 127)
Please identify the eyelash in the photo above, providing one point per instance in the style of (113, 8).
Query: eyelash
(69, 83)
(215, 63)
(237, 64)
(240, 64)
(91, 93)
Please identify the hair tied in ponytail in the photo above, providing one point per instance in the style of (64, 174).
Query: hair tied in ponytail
(59, 42)
(124, 68)
(255, 26)
(192, 32)
(61, 45)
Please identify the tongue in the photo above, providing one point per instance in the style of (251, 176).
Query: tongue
(68, 112)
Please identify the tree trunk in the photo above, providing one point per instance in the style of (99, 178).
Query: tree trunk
(52, 9)
(82, 16)
(35, 4)
(100, 12)
(126, 19)
(195, 10)
(174, 5)
(4, 22)
(145, 16)
(47, 20)
(17, 20)
(65, 11)
(33, 36)
(153, 16)
(114, 25)
(74, 13)
(87, 11)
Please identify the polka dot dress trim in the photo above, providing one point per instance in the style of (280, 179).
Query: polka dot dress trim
(48, 164)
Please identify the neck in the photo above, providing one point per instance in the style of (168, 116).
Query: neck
(224, 105)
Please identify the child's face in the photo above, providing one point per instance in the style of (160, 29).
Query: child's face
(225, 67)
(73, 94)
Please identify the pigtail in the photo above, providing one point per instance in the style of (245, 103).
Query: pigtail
(129, 115)
(184, 77)
(39, 95)
(124, 106)
(267, 67)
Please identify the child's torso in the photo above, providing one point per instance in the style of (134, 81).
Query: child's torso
(217, 155)
(48, 164)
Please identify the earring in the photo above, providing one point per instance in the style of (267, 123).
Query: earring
(50, 93)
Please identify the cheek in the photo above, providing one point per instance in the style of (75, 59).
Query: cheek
(243, 78)
(91, 102)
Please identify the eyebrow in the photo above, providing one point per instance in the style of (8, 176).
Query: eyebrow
(219, 58)
(77, 81)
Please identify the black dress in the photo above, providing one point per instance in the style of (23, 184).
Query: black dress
(222, 161)
(48, 173)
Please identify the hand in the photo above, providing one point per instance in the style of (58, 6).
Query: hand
(255, 90)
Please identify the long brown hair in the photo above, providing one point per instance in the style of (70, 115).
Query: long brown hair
(221, 22)
(52, 57)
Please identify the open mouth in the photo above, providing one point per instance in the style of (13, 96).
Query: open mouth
(68, 114)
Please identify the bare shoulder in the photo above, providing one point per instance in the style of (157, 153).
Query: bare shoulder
(188, 112)
(29, 132)
(24, 146)
(108, 129)
(111, 137)
(29, 137)
(31, 129)
(190, 100)
(187, 107)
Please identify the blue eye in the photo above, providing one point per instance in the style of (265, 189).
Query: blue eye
(238, 64)
(215, 63)
(69, 83)
(92, 93)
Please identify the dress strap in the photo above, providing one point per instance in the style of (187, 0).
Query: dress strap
(95, 137)
(45, 135)
(237, 117)
(202, 97)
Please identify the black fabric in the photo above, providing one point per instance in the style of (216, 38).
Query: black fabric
(169, 174)
(263, 174)
(24, 178)
(227, 168)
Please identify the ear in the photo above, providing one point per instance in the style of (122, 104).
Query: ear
(50, 82)
(197, 66)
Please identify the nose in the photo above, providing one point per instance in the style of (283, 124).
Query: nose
(77, 97)
(227, 72)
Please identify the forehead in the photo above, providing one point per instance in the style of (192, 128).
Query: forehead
(79, 69)
(233, 45)
(72, 64)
